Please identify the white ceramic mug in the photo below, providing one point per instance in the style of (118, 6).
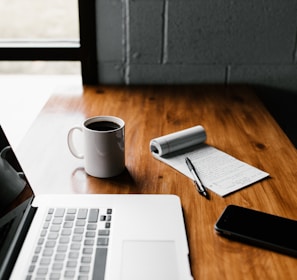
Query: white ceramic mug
(104, 145)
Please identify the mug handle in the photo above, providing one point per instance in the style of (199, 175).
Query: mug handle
(70, 142)
(3, 156)
(4, 152)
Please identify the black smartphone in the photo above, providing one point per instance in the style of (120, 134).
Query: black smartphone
(259, 228)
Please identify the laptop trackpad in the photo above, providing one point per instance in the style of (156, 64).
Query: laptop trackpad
(147, 260)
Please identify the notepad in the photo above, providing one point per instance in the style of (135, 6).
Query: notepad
(218, 171)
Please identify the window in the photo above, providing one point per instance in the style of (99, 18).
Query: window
(52, 31)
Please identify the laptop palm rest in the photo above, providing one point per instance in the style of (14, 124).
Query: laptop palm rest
(149, 260)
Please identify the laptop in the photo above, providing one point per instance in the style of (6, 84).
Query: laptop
(91, 236)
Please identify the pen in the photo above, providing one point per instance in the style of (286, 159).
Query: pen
(200, 188)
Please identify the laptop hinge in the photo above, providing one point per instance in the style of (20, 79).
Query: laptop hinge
(17, 241)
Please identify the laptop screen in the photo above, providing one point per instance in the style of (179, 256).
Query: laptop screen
(15, 196)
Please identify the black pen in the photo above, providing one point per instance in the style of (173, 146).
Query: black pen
(200, 188)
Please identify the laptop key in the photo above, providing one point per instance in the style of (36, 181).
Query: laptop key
(107, 225)
(71, 211)
(102, 241)
(66, 232)
(48, 252)
(86, 259)
(69, 274)
(46, 225)
(50, 244)
(104, 232)
(38, 250)
(55, 276)
(71, 264)
(62, 248)
(87, 251)
(82, 213)
(77, 238)
(83, 277)
(80, 223)
(48, 217)
(64, 240)
(78, 230)
(31, 268)
(100, 263)
(93, 217)
(70, 218)
(57, 266)
(42, 271)
(60, 257)
(73, 255)
(53, 235)
(91, 227)
(90, 234)
(45, 261)
(75, 246)
(59, 212)
(55, 228)
(89, 242)
(57, 221)
(34, 259)
(68, 224)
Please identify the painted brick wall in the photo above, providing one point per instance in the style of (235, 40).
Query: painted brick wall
(197, 41)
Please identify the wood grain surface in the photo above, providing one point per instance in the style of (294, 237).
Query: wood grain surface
(235, 121)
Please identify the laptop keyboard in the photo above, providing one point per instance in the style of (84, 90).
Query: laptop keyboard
(73, 244)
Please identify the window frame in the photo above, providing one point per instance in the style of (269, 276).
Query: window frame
(83, 50)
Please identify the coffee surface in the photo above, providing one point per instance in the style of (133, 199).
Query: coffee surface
(103, 126)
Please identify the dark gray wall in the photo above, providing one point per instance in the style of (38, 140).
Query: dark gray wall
(197, 41)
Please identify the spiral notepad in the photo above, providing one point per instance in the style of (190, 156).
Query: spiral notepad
(219, 171)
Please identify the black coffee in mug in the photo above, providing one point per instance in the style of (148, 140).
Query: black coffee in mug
(103, 126)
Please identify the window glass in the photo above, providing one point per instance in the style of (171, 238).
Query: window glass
(45, 20)
(40, 67)
(39, 19)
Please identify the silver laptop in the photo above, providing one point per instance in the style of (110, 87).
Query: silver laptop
(105, 237)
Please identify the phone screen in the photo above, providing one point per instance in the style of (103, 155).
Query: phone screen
(259, 228)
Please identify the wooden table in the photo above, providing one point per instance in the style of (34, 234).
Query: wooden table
(235, 121)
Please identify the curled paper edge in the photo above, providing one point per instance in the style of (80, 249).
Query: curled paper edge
(178, 140)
